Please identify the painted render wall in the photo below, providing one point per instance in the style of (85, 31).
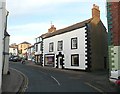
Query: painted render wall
(13, 51)
(6, 58)
(39, 51)
(66, 37)
(30, 52)
(2, 27)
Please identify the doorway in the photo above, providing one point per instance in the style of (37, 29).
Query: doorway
(60, 59)
(60, 62)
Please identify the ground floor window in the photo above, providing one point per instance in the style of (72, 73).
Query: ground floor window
(38, 58)
(49, 60)
(75, 60)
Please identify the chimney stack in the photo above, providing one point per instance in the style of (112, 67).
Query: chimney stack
(95, 12)
(52, 29)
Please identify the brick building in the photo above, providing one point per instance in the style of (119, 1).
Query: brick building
(113, 16)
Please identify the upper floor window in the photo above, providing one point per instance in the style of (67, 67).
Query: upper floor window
(74, 43)
(40, 46)
(51, 47)
(36, 48)
(24, 46)
(36, 40)
(21, 45)
(40, 39)
(60, 45)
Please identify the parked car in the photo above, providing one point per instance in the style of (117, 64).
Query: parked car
(115, 78)
(16, 59)
(11, 58)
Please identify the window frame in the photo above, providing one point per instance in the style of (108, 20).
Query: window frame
(49, 56)
(58, 47)
(36, 47)
(72, 43)
(51, 49)
(72, 55)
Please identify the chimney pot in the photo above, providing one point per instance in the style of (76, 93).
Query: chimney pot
(95, 11)
(52, 29)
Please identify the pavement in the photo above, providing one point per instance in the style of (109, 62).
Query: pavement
(16, 81)
(13, 82)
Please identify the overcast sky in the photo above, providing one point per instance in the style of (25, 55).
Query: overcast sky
(29, 19)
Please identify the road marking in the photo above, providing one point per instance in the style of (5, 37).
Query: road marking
(56, 80)
(94, 87)
(25, 86)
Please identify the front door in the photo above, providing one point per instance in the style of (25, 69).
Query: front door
(60, 59)
(60, 62)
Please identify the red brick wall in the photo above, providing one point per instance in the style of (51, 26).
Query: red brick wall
(119, 25)
(115, 10)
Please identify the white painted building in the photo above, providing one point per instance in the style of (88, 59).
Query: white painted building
(38, 51)
(2, 28)
(62, 43)
(13, 50)
(80, 46)
(30, 52)
(6, 53)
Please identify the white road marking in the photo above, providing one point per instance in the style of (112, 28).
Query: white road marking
(56, 80)
(94, 87)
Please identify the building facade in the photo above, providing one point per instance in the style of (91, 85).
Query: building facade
(5, 67)
(80, 46)
(22, 49)
(13, 50)
(39, 51)
(2, 30)
(113, 17)
(31, 52)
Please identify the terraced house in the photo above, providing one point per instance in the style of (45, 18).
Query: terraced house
(38, 51)
(22, 48)
(13, 50)
(80, 46)
(30, 52)
(113, 16)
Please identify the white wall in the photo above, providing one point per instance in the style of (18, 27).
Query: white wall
(115, 72)
(6, 62)
(2, 27)
(30, 51)
(39, 51)
(66, 37)
(14, 51)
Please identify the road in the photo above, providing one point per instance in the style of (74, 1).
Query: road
(42, 79)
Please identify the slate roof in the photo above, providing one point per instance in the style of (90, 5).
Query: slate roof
(67, 29)
(25, 42)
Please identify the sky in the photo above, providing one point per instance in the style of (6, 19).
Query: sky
(28, 19)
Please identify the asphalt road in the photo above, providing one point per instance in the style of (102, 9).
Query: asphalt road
(50, 80)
